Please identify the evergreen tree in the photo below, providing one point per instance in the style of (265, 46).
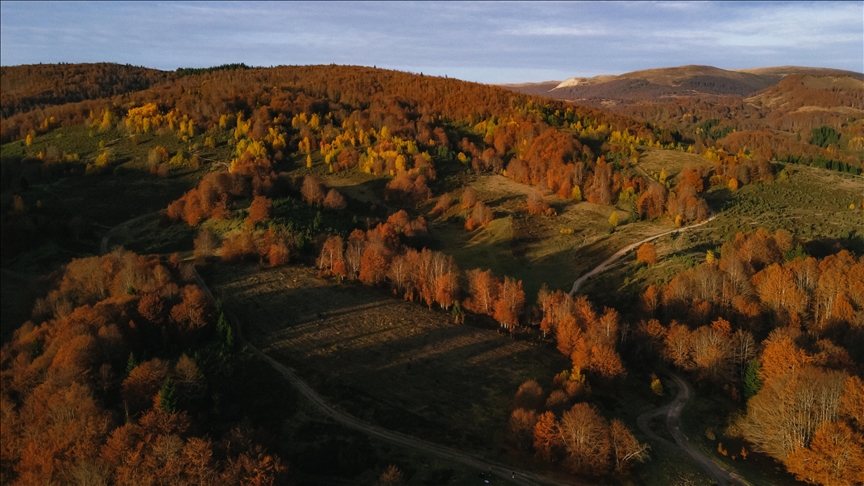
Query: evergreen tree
(752, 383)
(130, 363)
(168, 396)
(225, 331)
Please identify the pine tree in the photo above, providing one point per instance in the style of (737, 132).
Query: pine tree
(225, 331)
(752, 383)
(168, 396)
(130, 363)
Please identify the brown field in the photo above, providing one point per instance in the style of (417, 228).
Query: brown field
(390, 362)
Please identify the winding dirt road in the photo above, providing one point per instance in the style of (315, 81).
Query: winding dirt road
(620, 253)
(672, 411)
(507, 473)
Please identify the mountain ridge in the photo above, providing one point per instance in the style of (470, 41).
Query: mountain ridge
(670, 82)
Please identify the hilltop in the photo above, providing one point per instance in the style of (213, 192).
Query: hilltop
(36, 86)
(673, 82)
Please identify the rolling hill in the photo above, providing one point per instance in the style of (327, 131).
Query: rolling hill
(35, 86)
(674, 82)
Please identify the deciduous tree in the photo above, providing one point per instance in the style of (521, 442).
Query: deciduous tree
(647, 254)
(585, 436)
(625, 448)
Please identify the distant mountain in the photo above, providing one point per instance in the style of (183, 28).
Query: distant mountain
(675, 82)
(540, 89)
(783, 71)
(808, 92)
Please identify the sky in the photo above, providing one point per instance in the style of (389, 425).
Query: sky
(489, 42)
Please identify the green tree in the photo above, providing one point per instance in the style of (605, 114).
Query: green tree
(131, 363)
(225, 331)
(752, 383)
(168, 396)
(824, 136)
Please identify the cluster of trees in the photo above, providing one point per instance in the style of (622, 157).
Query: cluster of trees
(761, 278)
(377, 256)
(315, 192)
(781, 330)
(578, 436)
(713, 351)
(740, 168)
(80, 405)
(589, 339)
(209, 199)
(221, 67)
(767, 145)
(683, 203)
(807, 413)
(275, 245)
(148, 118)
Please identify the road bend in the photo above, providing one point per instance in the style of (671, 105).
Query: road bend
(672, 412)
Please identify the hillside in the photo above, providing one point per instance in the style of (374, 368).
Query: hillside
(35, 86)
(810, 91)
(674, 82)
(775, 110)
(783, 71)
(539, 89)
(667, 82)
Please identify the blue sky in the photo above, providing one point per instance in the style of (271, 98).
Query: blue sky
(494, 42)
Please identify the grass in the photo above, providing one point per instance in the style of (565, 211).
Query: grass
(653, 161)
(813, 205)
(126, 189)
(532, 248)
(386, 361)
(315, 449)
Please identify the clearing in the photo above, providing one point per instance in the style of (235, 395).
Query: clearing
(383, 360)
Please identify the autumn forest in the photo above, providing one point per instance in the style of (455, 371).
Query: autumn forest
(352, 275)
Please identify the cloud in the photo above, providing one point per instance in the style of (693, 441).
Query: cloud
(488, 42)
(556, 31)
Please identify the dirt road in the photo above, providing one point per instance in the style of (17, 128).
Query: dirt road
(510, 475)
(620, 253)
(673, 410)
(103, 247)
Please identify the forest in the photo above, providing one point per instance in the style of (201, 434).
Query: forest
(122, 200)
